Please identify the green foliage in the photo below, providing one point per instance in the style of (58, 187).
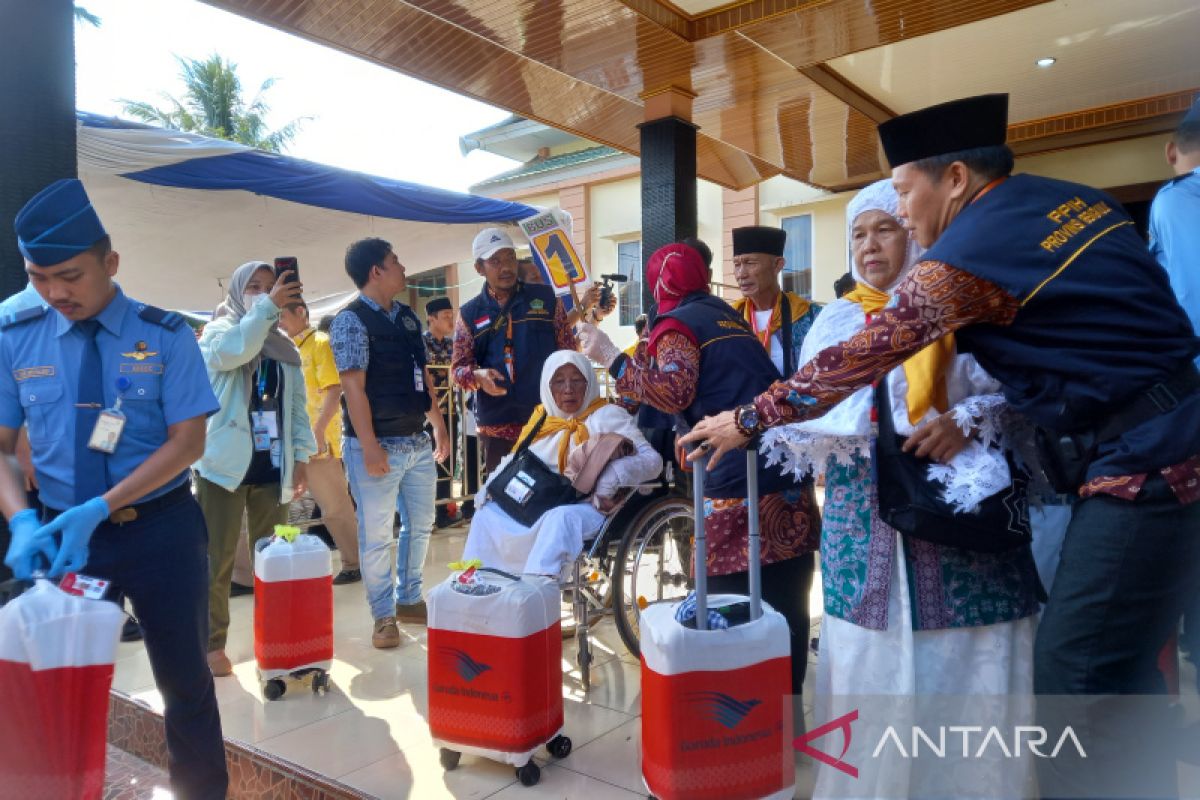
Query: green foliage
(213, 105)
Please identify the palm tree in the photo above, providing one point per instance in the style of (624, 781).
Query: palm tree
(213, 105)
(85, 16)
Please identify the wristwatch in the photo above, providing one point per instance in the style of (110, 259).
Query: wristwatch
(747, 420)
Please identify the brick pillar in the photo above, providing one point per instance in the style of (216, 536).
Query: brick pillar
(668, 186)
(738, 209)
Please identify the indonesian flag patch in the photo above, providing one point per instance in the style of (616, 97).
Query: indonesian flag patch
(482, 322)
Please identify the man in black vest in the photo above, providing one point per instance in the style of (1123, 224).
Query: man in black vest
(387, 396)
(1049, 286)
(502, 338)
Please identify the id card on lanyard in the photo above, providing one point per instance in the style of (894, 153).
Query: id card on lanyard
(264, 418)
(110, 424)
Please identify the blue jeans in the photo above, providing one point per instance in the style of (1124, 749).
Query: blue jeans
(412, 475)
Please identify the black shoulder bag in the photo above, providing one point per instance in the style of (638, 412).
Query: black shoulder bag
(526, 488)
(913, 505)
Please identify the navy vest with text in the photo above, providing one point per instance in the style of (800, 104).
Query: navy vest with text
(1098, 323)
(734, 369)
(396, 353)
(531, 308)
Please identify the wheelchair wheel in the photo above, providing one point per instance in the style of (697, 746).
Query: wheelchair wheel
(653, 563)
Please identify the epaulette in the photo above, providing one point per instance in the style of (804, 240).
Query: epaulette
(22, 316)
(157, 316)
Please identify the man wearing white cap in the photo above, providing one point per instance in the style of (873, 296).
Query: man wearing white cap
(501, 339)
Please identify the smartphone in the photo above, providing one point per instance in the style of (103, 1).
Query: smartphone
(287, 264)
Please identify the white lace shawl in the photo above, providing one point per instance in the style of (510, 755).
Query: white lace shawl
(975, 474)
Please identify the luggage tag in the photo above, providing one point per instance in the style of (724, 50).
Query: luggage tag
(520, 488)
(84, 586)
(110, 424)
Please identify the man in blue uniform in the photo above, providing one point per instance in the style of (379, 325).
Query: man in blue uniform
(1175, 242)
(1051, 289)
(114, 395)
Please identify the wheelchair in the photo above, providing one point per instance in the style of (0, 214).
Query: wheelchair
(641, 555)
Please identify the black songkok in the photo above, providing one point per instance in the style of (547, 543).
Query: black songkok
(951, 127)
(758, 239)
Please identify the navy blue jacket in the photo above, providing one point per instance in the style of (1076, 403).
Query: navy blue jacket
(734, 369)
(397, 357)
(1098, 323)
(531, 309)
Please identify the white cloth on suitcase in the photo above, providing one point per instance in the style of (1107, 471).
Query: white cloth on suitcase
(545, 548)
(669, 648)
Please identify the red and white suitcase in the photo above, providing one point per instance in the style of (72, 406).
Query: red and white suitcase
(56, 666)
(716, 719)
(495, 669)
(293, 613)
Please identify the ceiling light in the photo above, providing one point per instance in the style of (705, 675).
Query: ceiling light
(1046, 62)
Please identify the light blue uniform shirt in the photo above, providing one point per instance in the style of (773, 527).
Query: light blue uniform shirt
(39, 367)
(1175, 239)
(26, 298)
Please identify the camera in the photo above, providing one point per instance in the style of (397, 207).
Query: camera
(606, 287)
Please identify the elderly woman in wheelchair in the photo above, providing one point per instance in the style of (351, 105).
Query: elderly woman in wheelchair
(531, 517)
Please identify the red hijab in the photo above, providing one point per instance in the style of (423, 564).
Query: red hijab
(674, 272)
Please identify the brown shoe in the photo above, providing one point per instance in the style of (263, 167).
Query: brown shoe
(386, 634)
(415, 613)
(219, 664)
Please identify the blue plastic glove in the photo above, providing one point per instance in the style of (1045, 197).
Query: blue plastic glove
(27, 544)
(76, 526)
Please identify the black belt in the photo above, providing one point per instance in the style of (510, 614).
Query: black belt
(1158, 399)
(138, 510)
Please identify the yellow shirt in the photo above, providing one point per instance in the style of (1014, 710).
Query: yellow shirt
(320, 373)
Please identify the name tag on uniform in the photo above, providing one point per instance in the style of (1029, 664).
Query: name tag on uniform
(265, 426)
(419, 378)
(107, 433)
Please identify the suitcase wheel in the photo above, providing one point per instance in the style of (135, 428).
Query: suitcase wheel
(449, 759)
(559, 746)
(274, 689)
(320, 682)
(529, 774)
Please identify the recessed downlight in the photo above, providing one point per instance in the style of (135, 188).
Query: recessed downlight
(1048, 61)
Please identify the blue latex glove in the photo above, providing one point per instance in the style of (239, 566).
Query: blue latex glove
(76, 526)
(27, 544)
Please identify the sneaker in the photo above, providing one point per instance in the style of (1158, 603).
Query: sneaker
(347, 576)
(219, 664)
(131, 631)
(413, 612)
(386, 634)
(239, 589)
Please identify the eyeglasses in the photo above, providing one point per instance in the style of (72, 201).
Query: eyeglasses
(573, 383)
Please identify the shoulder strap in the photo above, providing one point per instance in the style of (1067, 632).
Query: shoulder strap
(785, 334)
(157, 316)
(886, 439)
(524, 445)
(22, 316)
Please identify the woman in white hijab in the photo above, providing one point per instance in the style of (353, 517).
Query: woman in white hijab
(574, 412)
(905, 616)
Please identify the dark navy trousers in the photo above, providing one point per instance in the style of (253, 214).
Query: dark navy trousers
(160, 563)
(1126, 572)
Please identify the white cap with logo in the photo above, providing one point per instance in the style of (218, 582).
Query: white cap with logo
(489, 240)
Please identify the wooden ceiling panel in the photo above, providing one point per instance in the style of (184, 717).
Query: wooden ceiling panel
(766, 101)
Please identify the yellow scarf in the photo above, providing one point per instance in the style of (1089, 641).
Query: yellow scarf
(925, 371)
(797, 305)
(573, 426)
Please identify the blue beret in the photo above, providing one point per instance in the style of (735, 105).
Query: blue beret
(57, 224)
(1193, 114)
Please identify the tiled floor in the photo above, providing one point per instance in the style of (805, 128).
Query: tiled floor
(370, 731)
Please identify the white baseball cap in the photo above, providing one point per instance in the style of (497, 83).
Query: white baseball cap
(489, 240)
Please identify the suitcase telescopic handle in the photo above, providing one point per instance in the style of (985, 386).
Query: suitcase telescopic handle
(754, 539)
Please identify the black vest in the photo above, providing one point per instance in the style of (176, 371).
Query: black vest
(1098, 323)
(531, 309)
(396, 351)
(734, 369)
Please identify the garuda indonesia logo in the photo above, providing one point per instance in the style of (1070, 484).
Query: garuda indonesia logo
(722, 708)
(467, 668)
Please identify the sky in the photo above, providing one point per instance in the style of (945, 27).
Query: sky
(365, 117)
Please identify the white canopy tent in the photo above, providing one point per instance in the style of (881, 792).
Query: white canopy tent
(185, 210)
